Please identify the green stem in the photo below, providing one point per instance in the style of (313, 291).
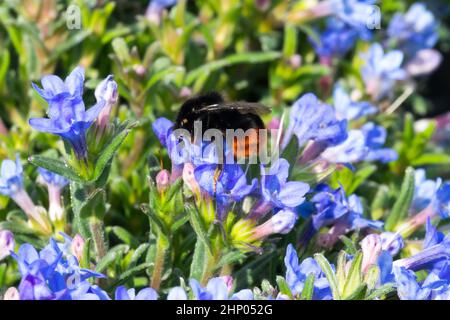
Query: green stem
(158, 268)
(98, 236)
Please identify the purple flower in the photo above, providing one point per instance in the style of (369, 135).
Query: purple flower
(414, 30)
(67, 115)
(106, 91)
(296, 275)
(310, 119)
(382, 70)
(6, 243)
(145, 294)
(348, 109)
(229, 186)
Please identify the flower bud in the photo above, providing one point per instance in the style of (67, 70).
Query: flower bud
(295, 61)
(371, 248)
(77, 247)
(189, 178)
(162, 180)
(11, 294)
(282, 222)
(6, 243)
(228, 281)
(105, 91)
(424, 62)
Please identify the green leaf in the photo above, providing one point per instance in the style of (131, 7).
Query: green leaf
(326, 268)
(68, 44)
(198, 260)
(56, 166)
(372, 276)
(124, 235)
(431, 158)
(127, 275)
(290, 40)
(121, 49)
(230, 258)
(354, 277)
(198, 225)
(341, 270)
(401, 206)
(108, 152)
(358, 293)
(94, 205)
(283, 287)
(308, 288)
(381, 291)
(138, 253)
(349, 245)
(247, 57)
(380, 202)
(111, 256)
(86, 257)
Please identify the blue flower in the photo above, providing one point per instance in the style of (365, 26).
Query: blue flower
(67, 115)
(362, 15)
(391, 242)
(277, 192)
(54, 89)
(311, 119)
(348, 109)
(177, 293)
(11, 180)
(353, 149)
(375, 139)
(53, 273)
(414, 30)
(424, 191)
(217, 289)
(53, 178)
(162, 128)
(229, 186)
(429, 257)
(337, 39)
(382, 70)
(145, 294)
(407, 286)
(333, 207)
(296, 275)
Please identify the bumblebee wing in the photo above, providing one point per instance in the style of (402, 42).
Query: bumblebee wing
(241, 107)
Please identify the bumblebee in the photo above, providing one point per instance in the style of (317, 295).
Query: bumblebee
(215, 113)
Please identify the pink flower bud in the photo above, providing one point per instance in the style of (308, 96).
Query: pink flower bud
(6, 243)
(162, 180)
(11, 294)
(77, 247)
(371, 248)
(295, 61)
(189, 178)
(282, 222)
